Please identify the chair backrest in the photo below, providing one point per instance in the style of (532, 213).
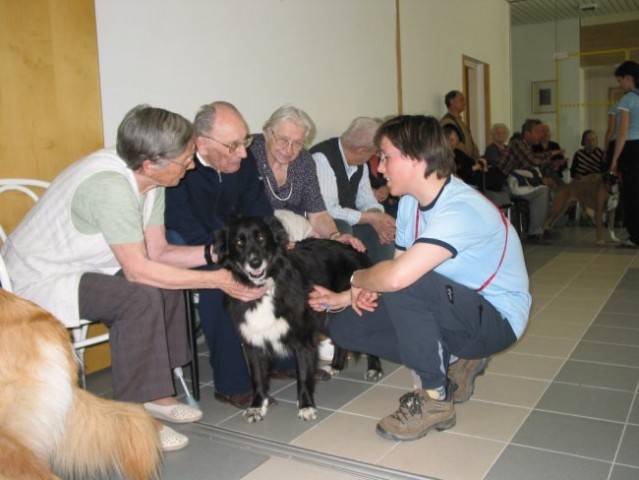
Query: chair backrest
(22, 185)
(5, 281)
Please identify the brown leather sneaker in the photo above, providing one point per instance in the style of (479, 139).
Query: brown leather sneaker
(416, 416)
(462, 376)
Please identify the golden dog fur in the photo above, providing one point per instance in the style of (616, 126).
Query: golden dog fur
(47, 423)
(592, 193)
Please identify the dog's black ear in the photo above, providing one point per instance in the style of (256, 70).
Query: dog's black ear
(221, 244)
(279, 232)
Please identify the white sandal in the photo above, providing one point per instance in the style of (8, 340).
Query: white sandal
(170, 440)
(178, 413)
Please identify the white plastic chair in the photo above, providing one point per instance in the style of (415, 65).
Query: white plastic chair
(80, 339)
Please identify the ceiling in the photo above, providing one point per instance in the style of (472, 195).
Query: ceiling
(538, 11)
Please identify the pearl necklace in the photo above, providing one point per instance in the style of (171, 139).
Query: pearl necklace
(270, 187)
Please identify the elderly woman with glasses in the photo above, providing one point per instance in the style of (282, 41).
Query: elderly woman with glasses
(289, 174)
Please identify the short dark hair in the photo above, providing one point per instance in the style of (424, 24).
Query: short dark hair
(628, 68)
(419, 137)
(583, 136)
(529, 124)
(451, 128)
(450, 96)
(148, 133)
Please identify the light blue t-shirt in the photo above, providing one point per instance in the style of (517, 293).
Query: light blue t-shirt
(630, 103)
(473, 229)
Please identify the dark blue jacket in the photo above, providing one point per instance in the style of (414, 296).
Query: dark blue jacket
(206, 200)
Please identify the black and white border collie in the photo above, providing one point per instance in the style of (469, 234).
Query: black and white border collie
(281, 323)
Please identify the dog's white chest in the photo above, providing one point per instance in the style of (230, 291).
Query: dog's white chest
(261, 327)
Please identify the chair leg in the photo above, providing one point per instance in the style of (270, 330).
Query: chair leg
(191, 334)
(81, 370)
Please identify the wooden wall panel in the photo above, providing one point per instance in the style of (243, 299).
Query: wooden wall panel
(607, 37)
(50, 110)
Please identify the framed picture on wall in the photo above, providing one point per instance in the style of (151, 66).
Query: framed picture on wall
(544, 97)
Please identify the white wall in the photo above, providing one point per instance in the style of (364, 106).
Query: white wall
(533, 50)
(435, 35)
(333, 58)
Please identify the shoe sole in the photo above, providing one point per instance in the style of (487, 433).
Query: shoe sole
(160, 415)
(443, 425)
(175, 448)
(479, 370)
(181, 441)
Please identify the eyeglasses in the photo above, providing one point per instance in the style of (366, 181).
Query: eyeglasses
(285, 143)
(246, 143)
(183, 165)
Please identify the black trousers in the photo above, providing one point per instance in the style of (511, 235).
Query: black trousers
(422, 325)
(629, 192)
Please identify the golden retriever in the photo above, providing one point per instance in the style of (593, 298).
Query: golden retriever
(48, 425)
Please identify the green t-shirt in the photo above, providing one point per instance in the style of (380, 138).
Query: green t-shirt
(104, 203)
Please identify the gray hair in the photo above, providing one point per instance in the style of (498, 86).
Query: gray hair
(148, 133)
(205, 117)
(291, 114)
(498, 125)
(360, 133)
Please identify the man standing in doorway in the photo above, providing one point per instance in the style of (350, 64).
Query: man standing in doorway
(456, 104)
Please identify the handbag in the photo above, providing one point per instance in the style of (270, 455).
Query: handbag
(523, 181)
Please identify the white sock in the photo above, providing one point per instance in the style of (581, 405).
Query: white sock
(417, 382)
(438, 393)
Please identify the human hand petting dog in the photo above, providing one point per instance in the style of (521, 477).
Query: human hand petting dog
(349, 239)
(324, 300)
(236, 290)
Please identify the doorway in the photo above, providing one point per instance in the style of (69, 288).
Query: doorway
(476, 84)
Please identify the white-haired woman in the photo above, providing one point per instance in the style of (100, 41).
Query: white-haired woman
(289, 174)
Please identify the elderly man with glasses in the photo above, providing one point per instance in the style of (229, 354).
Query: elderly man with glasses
(223, 185)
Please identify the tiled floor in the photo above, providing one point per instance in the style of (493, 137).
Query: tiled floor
(562, 404)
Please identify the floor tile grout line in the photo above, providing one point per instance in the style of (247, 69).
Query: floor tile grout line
(594, 387)
(559, 452)
(623, 431)
(599, 342)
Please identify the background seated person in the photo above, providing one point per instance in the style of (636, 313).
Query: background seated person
(589, 159)
(468, 169)
(497, 149)
(557, 163)
(522, 168)
(488, 180)
(344, 182)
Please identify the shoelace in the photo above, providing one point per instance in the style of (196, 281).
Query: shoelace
(410, 404)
